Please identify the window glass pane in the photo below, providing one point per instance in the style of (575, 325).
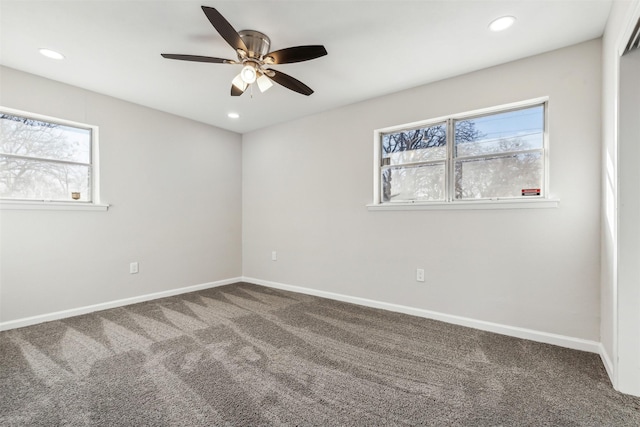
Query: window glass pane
(23, 136)
(426, 182)
(498, 133)
(41, 180)
(417, 145)
(514, 176)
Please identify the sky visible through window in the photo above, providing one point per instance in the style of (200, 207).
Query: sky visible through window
(512, 123)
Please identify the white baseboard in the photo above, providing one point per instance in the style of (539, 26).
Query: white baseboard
(513, 331)
(27, 321)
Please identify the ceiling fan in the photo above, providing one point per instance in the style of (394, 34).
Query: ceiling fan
(252, 49)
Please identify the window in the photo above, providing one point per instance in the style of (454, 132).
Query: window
(483, 156)
(45, 159)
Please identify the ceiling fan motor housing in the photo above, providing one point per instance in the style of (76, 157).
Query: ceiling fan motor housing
(257, 43)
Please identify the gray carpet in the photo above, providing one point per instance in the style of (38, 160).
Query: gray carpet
(247, 355)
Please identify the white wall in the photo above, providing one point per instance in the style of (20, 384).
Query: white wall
(174, 186)
(620, 275)
(306, 184)
(609, 180)
(629, 225)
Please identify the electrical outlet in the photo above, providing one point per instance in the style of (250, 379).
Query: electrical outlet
(133, 268)
(420, 275)
(274, 256)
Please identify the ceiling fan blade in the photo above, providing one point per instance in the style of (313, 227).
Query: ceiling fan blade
(295, 54)
(225, 29)
(236, 91)
(238, 86)
(197, 58)
(290, 83)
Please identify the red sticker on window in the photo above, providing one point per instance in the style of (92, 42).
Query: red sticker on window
(530, 191)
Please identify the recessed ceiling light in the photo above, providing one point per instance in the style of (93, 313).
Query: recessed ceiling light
(233, 115)
(51, 54)
(502, 23)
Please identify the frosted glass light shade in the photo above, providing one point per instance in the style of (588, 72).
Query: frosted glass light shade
(239, 82)
(248, 74)
(264, 83)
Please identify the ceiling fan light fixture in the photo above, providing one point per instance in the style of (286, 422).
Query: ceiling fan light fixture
(239, 82)
(264, 83)
(502, 23)
(249, 73)
(252, 50)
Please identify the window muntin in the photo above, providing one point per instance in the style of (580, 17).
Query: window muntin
(43, 159)
(495, 155)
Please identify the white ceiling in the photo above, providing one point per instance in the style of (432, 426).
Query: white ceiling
(375, 47)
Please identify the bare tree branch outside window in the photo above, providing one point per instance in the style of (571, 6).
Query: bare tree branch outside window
(41, 160)
(490, 156)
(428, 144)
(505, 160)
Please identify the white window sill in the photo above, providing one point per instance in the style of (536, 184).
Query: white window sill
(466, 205)
(53, 206)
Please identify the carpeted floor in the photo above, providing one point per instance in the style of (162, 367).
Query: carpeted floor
(245, 355)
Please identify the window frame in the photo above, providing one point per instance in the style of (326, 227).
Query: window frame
(94, 167)
(450, 202)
